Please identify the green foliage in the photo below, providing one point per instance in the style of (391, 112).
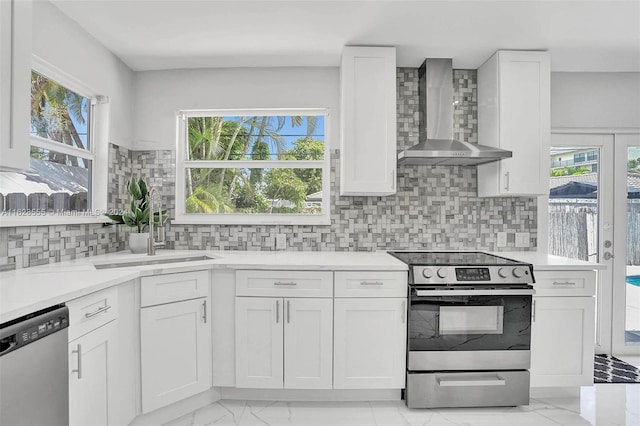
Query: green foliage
(252, 190)
(139, 207)
(207, 200)
(570, 171)
(633, 164)
(284, 184)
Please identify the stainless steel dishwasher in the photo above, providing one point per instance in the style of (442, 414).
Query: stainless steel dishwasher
(34, 378)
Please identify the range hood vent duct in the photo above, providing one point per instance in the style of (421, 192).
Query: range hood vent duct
(437, 145)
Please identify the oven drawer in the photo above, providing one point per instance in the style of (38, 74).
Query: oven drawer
(371, 284)
(565, 283)
(478, 389)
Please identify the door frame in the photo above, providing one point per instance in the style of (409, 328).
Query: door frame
(621, 144)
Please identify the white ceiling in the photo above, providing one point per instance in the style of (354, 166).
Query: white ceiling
(164, 34)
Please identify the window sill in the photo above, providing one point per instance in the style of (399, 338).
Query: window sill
(231, 219)
(44, 220)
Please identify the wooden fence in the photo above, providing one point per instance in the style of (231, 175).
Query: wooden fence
(573, 230)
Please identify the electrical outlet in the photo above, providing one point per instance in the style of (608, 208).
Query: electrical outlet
(501, 239)
(522, 239)
(281, 241)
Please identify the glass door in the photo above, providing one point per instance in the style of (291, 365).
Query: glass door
(594, 215)
(626, 247)
(580, 217)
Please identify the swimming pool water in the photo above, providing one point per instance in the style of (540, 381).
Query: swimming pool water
(633, 280)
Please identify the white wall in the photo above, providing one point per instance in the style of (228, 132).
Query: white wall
(595, 100)
(63, 43)
(159, 95)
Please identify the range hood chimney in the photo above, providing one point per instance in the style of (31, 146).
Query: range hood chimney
(437, 145)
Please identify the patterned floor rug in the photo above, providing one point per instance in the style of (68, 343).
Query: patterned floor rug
(609, 369)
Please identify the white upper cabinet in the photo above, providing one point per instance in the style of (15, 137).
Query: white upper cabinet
(368, 121)
(15, 83)
(514, 114)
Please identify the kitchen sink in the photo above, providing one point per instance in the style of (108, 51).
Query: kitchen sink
(152, 261)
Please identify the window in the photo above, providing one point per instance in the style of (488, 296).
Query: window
(253, 166)
(579, 158)
(59, 185)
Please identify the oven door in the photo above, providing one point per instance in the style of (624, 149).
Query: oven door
(469, 329)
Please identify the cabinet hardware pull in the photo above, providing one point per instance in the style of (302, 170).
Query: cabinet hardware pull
(393, 180)
(533, 311)
(506, 181)
(404, 311)
(371, 283)
(79, 369)
(277, 311)
(563, 283)
(204, 311)
(288, 311)
(97, 311)
(285, 283)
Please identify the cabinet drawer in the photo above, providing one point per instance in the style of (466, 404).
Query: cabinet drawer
(92, 311)
(173, 287)
(284, 283)
(565, 283)
(371, 284)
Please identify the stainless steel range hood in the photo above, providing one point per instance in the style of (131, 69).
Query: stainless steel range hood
(437, 145)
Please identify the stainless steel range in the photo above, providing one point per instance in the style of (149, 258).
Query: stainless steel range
(469, 329)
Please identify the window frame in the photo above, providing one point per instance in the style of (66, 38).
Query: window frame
(181, 217)
(98, 154)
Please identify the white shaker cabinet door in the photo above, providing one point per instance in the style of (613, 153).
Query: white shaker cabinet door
(562, 341)
(259, 342)
(370, 343)
(514, 105)
(175, 352)
(368, 147)
(92, 374)
(308, 343)
(15, 83)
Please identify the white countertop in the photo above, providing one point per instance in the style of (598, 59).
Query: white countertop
(27, 290)
(548, 262)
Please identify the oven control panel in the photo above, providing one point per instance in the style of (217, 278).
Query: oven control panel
(511, 274)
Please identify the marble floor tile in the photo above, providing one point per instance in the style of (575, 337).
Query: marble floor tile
(601, 405)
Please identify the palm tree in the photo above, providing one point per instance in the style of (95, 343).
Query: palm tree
(53, 110)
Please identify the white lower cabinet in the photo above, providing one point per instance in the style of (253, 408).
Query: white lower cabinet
(562, 340)
(283, 342)
(92, 374)
(175, 352)
(370, 343)
(93, 359)
(563, 329)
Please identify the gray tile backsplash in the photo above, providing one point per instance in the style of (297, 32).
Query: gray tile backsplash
(434, 207)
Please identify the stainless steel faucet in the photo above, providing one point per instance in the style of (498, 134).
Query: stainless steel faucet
(153, 243)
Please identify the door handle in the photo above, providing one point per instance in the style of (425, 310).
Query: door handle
(204, 311)
(506, 181)
(277, 311)
(288, 311)
(608, 255)
(533, 311)
(79, 369)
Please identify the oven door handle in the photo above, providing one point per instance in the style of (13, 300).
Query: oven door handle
(515, 292)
